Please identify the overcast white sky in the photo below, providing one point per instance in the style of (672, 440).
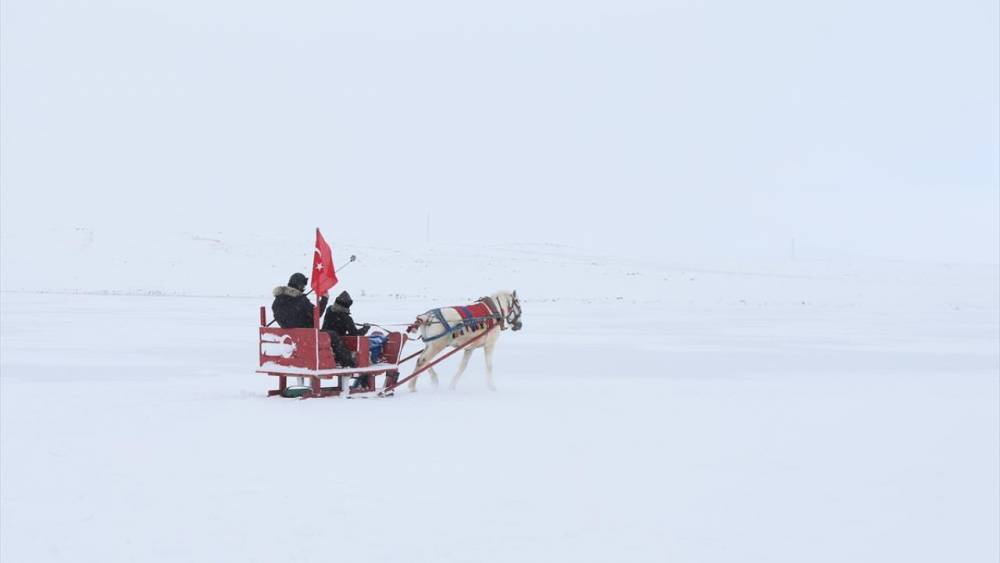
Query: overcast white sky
(669, 126)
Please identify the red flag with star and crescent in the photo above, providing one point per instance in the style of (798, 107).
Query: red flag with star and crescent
(323, 276)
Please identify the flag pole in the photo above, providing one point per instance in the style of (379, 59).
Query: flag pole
(316, 307)
(316, 328)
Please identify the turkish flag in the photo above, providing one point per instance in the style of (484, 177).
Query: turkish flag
(323, 276)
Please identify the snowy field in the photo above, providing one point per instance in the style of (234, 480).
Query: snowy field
(756, 245)
(813, 412)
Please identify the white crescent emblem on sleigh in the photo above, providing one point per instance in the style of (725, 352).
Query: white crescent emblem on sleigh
(275, 345)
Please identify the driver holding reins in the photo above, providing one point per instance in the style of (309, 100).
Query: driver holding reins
(338, 322)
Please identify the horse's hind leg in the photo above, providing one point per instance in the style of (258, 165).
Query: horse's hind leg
(461, 368)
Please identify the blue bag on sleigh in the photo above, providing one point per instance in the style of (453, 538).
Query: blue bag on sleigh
(376, 341)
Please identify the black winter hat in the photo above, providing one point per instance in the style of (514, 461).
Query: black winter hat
(298, 281)
(344, 300)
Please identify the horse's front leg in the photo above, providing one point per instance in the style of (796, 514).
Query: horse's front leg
(425, 357)
(466, 356)
(434, 378)
(412, 385)
(488, 353)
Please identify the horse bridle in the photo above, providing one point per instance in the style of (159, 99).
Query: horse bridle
(513, 316)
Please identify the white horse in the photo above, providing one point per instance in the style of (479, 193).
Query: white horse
(444, 327)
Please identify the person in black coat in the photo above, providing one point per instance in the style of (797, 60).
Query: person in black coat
(291, 307)
(338, 322)
(338, 318)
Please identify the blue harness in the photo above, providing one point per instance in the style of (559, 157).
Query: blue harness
(470, 322)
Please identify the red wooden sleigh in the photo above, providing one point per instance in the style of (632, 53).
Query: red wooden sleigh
(306, 353)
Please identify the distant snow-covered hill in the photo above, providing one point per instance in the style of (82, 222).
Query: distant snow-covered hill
(240, 264)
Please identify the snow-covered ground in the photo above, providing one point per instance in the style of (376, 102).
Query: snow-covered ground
(651, 410)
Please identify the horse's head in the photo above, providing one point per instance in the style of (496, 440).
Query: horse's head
(510, 308)
(413, 329)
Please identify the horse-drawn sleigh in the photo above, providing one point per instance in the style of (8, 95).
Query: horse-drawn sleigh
(306, 354)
